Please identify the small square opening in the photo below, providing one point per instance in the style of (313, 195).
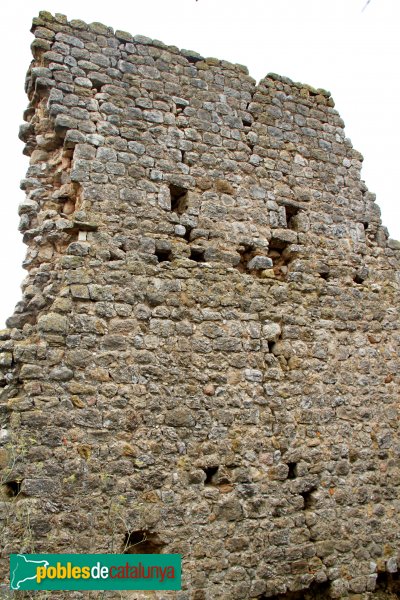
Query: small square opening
(163, 255)
(11, 489)
(197, 254)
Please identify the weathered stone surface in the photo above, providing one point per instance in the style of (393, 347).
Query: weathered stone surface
(260, 263)
(271, 331)
(207, 348)
(6, 359)
(53, 323)
(39, 487)
(179, 417)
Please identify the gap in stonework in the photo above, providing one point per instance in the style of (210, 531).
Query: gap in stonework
(309, 500)
(187, 233)
(292, 473)
(163, 255)
(246, 252)
(142, 541)
(279, 259)
(197, 254)
(290, 212)
(210, 474)
(179, 199)
(316, 591)
(11, 489)
(389, 583)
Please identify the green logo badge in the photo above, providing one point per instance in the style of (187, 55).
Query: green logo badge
(95, 572)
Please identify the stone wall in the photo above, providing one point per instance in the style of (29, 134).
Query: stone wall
(206, 354)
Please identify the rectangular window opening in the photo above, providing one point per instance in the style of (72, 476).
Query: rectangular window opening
(291, 211)
(179, 199)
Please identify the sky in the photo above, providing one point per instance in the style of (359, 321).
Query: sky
(333, 44)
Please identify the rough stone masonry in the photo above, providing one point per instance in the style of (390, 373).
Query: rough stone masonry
(205, 358)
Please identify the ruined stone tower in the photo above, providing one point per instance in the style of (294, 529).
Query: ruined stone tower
(206, 354)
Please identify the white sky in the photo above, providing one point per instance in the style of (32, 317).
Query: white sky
(325, 43)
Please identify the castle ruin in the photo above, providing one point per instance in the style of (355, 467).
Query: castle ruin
(205, 360)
